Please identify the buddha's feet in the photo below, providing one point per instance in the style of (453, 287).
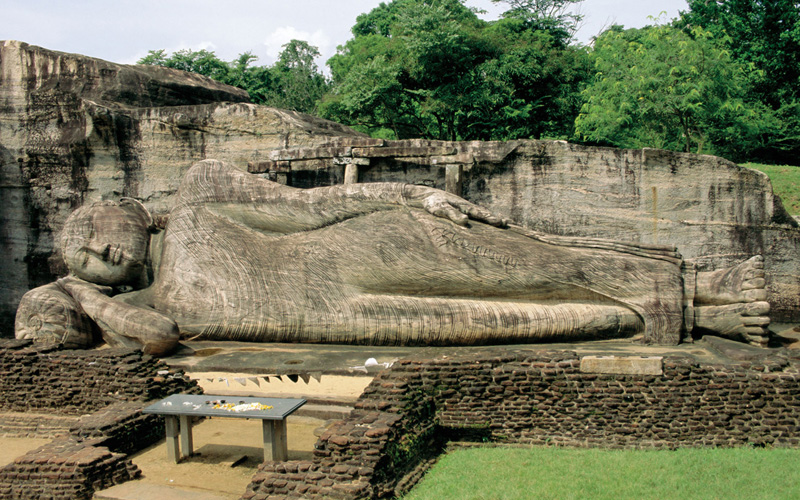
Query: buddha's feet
(732, 302)
(741, 283)
(744, 321)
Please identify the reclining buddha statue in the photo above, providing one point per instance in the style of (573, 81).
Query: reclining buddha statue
(243, 258)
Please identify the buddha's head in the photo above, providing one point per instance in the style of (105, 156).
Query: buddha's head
(106, 242)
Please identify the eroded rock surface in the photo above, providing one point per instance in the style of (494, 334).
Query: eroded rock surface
(715, 212)
(74, 130)
(379, 263)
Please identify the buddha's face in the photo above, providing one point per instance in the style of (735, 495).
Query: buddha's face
(107, 244)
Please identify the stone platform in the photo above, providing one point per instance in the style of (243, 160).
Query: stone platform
(290, 360)
(455, 384)
(332, 377)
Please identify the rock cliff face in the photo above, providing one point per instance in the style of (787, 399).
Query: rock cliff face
(715, 212)
(75, 129)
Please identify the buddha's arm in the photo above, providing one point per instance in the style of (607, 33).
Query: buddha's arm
(379, 195)
(122, 323)
(273, 207)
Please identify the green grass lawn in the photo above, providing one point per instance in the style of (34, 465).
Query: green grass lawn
(563, 474)
(785, 183)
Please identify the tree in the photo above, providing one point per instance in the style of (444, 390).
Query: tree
(548, 15)
(441, 46)
(371, 98)
(154, 58)
(297, 82)
(660, 87)
(537, 78)
(294, 82)
(239, 70)
(203, 62)
(766, 35)
(420, 49)
(433, 69)
(378, 21)
(258, 81)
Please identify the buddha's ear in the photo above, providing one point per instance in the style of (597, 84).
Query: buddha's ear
(140, 209)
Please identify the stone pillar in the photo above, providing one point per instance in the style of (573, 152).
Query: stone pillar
(351, 173)
(351, 166)
(277, 171)
(454, 175)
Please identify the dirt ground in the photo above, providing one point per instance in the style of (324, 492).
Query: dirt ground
(11, 448)
(227, 450)
(218, 443)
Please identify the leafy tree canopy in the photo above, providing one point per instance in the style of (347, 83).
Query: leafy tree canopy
(660, 87)
(203, 62)
(293, 82)
(724, 78)
(432, 68)
(764, 34)
(554, 16)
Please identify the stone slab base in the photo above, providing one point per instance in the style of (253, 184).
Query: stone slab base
(137, 490)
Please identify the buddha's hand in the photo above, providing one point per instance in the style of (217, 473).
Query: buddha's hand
(82, 290)
(449, 206)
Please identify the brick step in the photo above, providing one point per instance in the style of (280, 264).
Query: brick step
(17, 424)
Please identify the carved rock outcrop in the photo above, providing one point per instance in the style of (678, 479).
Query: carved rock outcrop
(715, 212)
(74, 129)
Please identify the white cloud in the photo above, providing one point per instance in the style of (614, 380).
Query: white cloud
(210, 46)
(285, 34)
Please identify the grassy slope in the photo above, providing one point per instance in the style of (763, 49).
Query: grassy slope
(785, 182)
(560, 473)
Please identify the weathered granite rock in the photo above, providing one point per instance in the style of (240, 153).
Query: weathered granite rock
(74, 129)
(243, 258)
(247, 259)
(715, 212)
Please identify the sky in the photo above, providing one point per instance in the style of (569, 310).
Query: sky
(123, 31)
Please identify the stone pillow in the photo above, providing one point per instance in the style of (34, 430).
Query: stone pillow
(49, 315)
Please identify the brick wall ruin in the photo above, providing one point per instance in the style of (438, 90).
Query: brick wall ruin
(537, 398)
(403, 420)
(90, 402)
